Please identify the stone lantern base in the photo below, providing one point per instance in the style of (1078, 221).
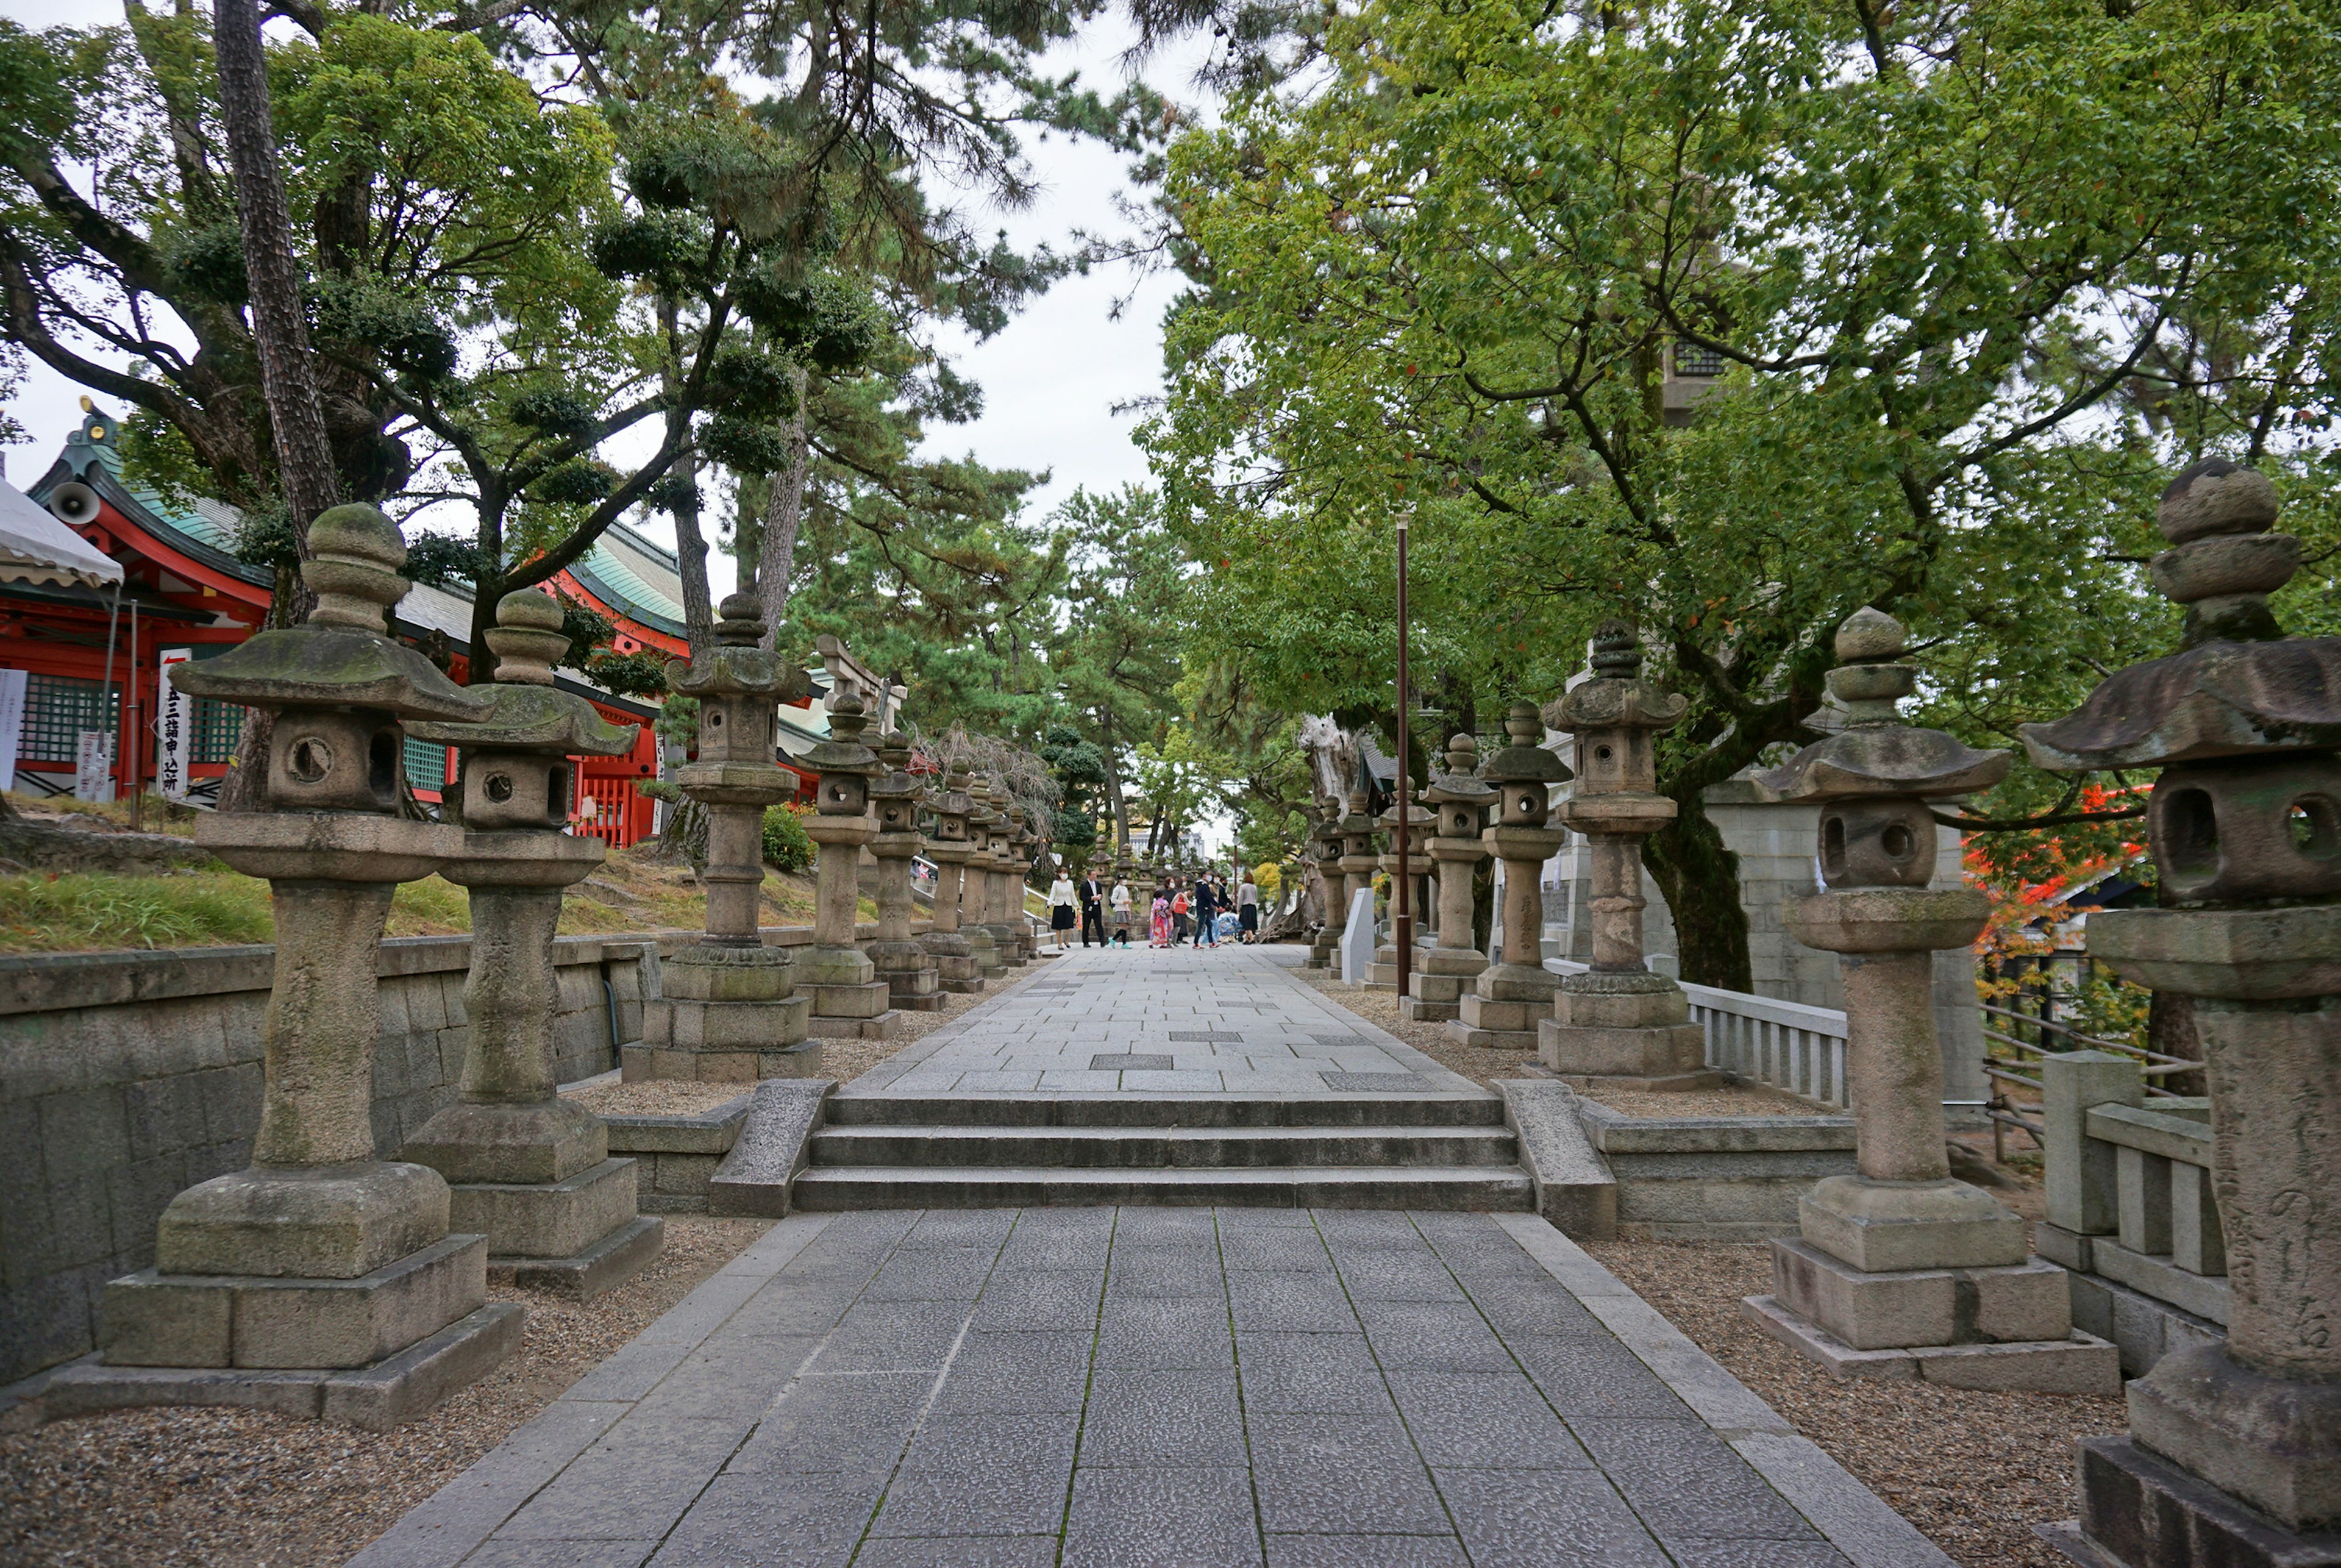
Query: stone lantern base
(1503, 1007)
(957, 969)
(1009, 944)
(985, 952)
(1323, 946)
(1443, 976)
(538, 1182)
(2141, 1511)
(1630, 1029)
(913, 977)
(849, 1001)
(727, 1016)
(1928, 1279)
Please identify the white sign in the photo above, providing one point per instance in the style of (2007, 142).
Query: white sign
(1357, 938)
(93, 766)
(174, 729)
(12, 724)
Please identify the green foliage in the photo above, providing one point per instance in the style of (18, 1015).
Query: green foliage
(100, 910)
(439, 559)
(786, 845)
(630, 675)
(579, 481)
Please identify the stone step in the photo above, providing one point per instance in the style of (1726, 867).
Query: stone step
(1142, 1111)
(1164, 1148)
(829, 1189)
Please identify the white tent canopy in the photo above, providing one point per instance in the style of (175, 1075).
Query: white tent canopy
(34, 547)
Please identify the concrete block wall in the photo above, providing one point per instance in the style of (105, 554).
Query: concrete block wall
(126, 1077)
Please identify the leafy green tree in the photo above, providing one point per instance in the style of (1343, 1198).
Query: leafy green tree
(1974, 279)
(1079, 766)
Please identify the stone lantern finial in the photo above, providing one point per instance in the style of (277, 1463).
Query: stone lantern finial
(356, 553)
(2244, 724)
(527, 638)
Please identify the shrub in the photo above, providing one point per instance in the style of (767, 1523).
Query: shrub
(787, 847)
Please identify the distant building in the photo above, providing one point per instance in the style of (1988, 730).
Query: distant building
(91, 662)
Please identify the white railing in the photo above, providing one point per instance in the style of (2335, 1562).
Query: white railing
(1784, 1045)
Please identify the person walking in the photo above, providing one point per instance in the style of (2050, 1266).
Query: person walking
(1060, 907)
(1161, 923)
(1207, 925)
(1120, 901)
(1248, 908)
(1179, 908)
(1092, 910)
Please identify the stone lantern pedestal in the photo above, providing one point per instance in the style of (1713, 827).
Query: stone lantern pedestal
(1383, 975)
(849, 1001)
(322, 1281)
(912, 979)
(1901, 1271)
(728, 1009)
(1460, 803)
(2234, 1454)
(1617, 1023)
(527, 1168)
(1507, 999)
(957, 968)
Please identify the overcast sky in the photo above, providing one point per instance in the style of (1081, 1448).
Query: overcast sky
(1050, 381)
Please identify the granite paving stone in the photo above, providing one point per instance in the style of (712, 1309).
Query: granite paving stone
(1128, 1387)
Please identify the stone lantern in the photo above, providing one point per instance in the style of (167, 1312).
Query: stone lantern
(849, 1001)
(1002, 830)
(1507, 998)
(529, 1169)
(1617, 1023)
(1325, 846)
(956, 966)
(1357, 829)
(1460, 801)
(1383, 973)
(1023, 842)
(975, 900)
(728, 1010)
(907, 967)
(2234, 1453)
(327, 1278)
(1901, 1271)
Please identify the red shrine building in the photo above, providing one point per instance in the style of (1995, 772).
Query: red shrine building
(86, 659)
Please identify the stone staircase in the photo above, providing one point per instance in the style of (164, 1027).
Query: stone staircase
(1434, 1151)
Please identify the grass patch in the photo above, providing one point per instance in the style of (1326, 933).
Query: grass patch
(97, 911)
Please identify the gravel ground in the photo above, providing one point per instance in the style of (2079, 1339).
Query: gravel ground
(1975, 1471)
(235, 1489)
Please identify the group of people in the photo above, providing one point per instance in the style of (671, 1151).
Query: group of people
(1203, 914)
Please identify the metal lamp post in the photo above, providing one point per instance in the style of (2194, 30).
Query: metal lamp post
(1402, 891)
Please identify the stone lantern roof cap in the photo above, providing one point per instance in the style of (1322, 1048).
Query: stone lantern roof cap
(736, 666)
(1877, 753)
(1525, 761)
(1616, 698)
(340, 657)
(842, 752)
(530, 714)
(2238, 686)
(1460, 783)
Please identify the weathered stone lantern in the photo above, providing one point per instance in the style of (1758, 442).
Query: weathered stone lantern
(1508, 998)
(975, 900)
(1325, 848)
(1420, 820)
(529, 1169)
(2234, 1454)
(1901, 1271)
(1022, 844)
(896, 957)
(1006, 891)
(956, 966)
(333, 1271)
(849, 1001)
(1617, 1023)
(728, 1009)
(1460, 801)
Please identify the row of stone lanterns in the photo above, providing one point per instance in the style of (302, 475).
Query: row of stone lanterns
(323, 1280)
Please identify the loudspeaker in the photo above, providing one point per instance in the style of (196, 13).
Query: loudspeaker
(71, 503)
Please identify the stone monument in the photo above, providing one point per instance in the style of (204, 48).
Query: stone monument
(2234, 1454)
(1508, 998)
(321, 1281)
(1617, 1023)
(727, 1009)
(956, 966)
(849, 1001)
(1899, 1270)
(1460, 799)
(528, 1169)
(909, 970)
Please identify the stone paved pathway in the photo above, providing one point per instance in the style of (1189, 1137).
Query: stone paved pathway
(1126, 1388)
(1229, 1020)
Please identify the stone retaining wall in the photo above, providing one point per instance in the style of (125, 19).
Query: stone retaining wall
(1715, 1178)
(125, 1077)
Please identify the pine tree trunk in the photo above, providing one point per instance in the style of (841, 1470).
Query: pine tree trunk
(305, 456)
(776, 562)
(1700, 879)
